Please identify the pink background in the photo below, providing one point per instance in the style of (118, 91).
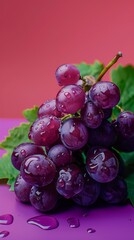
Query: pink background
(36, 36)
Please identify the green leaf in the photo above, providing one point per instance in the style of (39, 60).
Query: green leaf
(130, 187)
(31, 114)
(123, 77)
(90, 69)
(16, 136)
(7, 171)
(128, 158)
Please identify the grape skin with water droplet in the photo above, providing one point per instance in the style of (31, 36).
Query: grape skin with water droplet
(70, 99)
(104, 94)
(67, 74)
(45, 131)
(60, 155)
(92, 115)
(24, 150)
(102, 164)
(70, 181)
(45, 198)
(74, 134)
(49, 108)
(22, 189)
(38, 170)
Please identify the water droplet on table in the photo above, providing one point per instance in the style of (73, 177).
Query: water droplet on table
(6, 219)
(4, 234)
(91, 230)
(44, 222)
(73, 222)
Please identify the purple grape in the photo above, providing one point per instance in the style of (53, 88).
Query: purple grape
(115, 191)
(91, 115)
(67, 74)
(70, 99)
(22, 189)
(104, 94)
(89, 194)
(45, 198)
(45, 131)
(105, 135)
(38, 170)
(102, 164)
(74, 134)
(49, 108)
(24, 150)
(70, 181)
(60, 155)
(125, 124)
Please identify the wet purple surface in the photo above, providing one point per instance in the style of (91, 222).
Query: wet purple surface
(112, 223)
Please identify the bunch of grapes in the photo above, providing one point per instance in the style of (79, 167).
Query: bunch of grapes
(73, 153)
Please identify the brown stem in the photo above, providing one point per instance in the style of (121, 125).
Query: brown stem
(110, 64)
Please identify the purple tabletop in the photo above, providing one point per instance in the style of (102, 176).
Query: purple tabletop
(109, 222)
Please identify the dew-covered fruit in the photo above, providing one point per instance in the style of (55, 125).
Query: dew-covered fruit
(38, 170)
(70, 99)
(22, 189)
(24, 150)
(92, 115)
(102, 164)
(60, 155)
(104, 94)
(89, 194)
(125, 124)
(45, 131)
(70, 181)
(48, 108)
(67, 74)
(45, 198)
(74, 134)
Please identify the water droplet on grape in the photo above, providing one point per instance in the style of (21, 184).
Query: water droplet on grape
(67, 94)
(23, 152)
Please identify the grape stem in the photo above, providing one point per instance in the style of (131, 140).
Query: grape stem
(118, 107)
(109, 65)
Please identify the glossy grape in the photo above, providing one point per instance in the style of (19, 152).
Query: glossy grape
(89, 194)
(48, 108)
(24, 150)
(102, 164)
(60, 155)
(91, 115)
(45, 130)
(104, 94)
(45, 198)
(105, 135)
(115, 191)
(70, 181)
(22, 189)
(38, 170)
(70, 99)
(74, 134)
(67, 74)
(125, 124)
